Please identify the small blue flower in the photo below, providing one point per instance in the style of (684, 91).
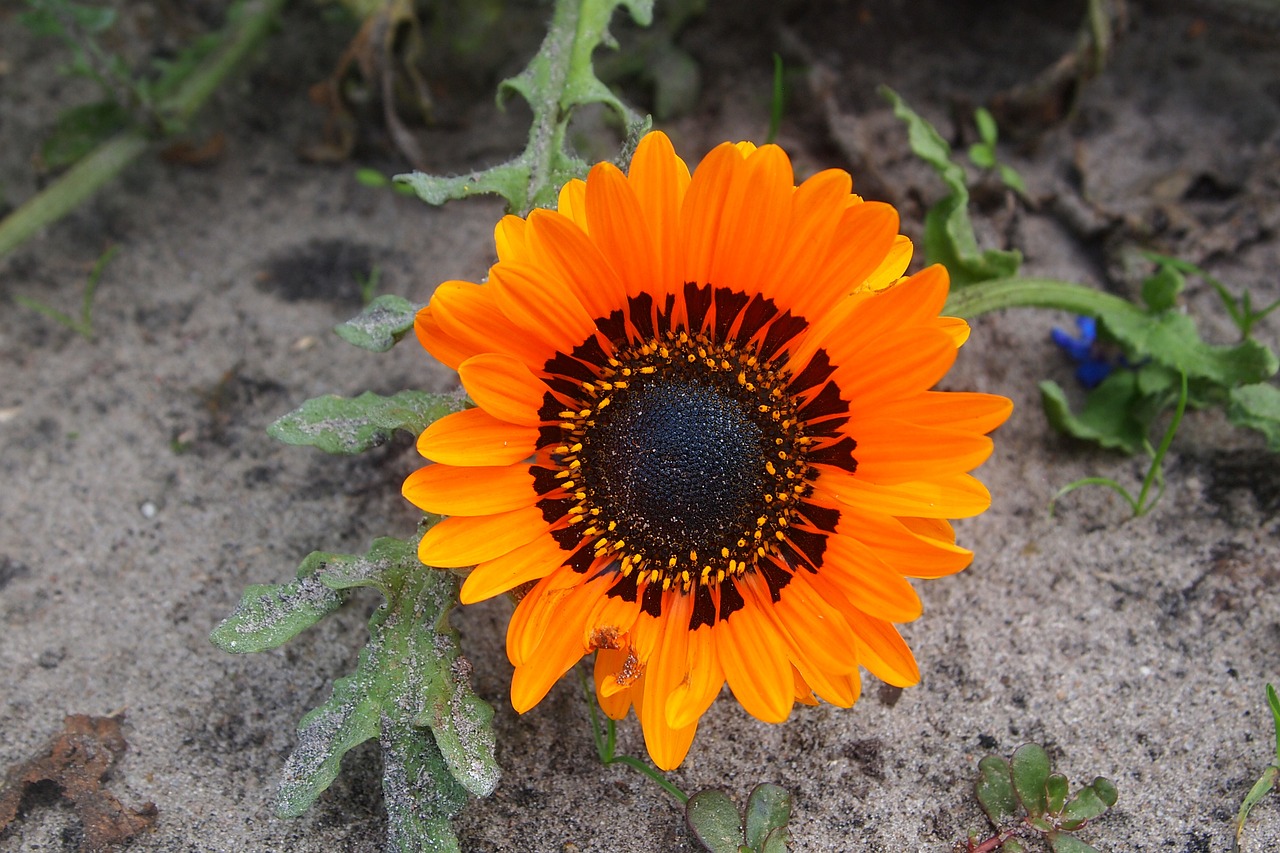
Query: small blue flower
(1092, 365)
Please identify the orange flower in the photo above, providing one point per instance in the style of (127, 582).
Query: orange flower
(704, 442)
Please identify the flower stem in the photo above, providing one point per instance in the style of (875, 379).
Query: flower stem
(1157, 461)
(607, 740)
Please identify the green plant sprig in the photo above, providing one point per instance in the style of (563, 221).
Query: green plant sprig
(1023, 799)
(185, 91)
(82, 325)
(1269, 779)
(558, 80)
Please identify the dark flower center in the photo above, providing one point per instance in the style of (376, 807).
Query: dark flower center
(682, 461)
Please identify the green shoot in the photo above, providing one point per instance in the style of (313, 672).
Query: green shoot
(1269, 779)
(1155, 473)
(82, 325)
(778, 102)
(606, 738)
(369, 284)
(1240, 309)
(983, 152)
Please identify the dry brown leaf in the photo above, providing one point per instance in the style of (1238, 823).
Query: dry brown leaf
(77, 761)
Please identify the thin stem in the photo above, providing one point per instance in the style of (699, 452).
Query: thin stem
(993, 295)
(106, 161)
(1158, 460)
(606, 742)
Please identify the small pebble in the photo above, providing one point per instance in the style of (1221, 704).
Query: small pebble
(148, 509)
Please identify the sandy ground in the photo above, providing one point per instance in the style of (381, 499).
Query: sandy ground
(139, 493)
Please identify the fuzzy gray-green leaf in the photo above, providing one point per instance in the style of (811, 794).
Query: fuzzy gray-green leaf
(271, 614)
(420, 792)
(995, 790)
(715, 821)
(1030, 771)
(381, 324)
(353, 425)
(768, 808)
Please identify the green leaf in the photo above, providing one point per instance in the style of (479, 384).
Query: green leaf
(994, 789)
(81, 129)
(345, 425)
(1062, 843)
(559, 79)
(419, 791)
(1160, 291)
(715, 821)
(410, 689)
(986, 126)
(948, 230)
(1013, 845)
(982, 155)
(271, 614)
(1056, 789)
(1171, 338)
(1012, 179)
(768, 808)
(1257, 407)
(775, 841)
(381, 324)
(1106, 791)
(1108, 418)
(1030, 771)
(1086, 805)
(1273, 701)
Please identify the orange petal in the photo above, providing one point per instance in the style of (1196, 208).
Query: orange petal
(897, 365)
(702, 682)
(469, 314)
(954, 496)
(475, 437)
(660, 180)
(755, 662)
(564, 251)
(819, 642)
(546, 311)
(966, 410)
(572, 202)
(466, 540)
(619, 229)
(897, 451)
(443, 348)
(529, 562)
(882, 651)
(754, 223)
(705, 205)
(561, 647)
(609, 662)
(610, 621)
(909, 554)
(816, 207)
(866, 581)
(863, 237)
(537, 610)
(894, 265)
(504, 387)
(450, 490)
(509, 237)
(667, 744)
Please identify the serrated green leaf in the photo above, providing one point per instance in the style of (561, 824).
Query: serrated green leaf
(1030, 770)
(994, 789)
(714, 820)
(353, 425)
(1056, 789)
(1257, 407)
(271, 614)
(509, 180)
(419, 791)
(81, 129)
(768, 808)
(1109, 417)
(381, 324)
(1062, 843)
(1084, 806)
(1160, 291)
(411, 661)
